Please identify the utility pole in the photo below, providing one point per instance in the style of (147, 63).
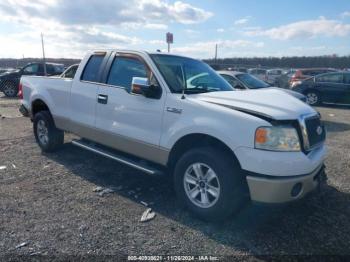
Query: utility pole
(216, 53)
(44, 61)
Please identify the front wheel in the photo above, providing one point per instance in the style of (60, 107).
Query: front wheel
(313, 98)
(209, 183)
(48, 137)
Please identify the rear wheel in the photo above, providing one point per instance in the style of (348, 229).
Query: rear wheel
(10, 89)
(313, 98)
(209, 183)
(48, 137)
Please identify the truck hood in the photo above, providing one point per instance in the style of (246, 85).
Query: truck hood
(292, 93)
(270, 102)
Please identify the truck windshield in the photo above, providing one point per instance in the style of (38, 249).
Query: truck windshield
(251, 81)
(193, 75)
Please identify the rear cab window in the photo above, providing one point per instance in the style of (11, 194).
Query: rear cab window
(92, 68)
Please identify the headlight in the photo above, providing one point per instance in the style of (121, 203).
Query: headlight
(277, 138)
(294, 84)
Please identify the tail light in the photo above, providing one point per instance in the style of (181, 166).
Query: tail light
(20, 91)
(296, 76)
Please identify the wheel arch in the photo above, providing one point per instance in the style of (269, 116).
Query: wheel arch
(39, 105)
(196, 140)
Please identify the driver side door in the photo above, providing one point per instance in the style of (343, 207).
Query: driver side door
(126, 121)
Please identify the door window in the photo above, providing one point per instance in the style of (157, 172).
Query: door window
(124, 69)
(70, 72)
(233, 82)
(92, 68)
(31, 69)
(330, 78)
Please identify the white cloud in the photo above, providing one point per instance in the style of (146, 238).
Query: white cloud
(157, 42)
(228, 47)
(220, 30)
(345, 14)
(243, 20)
(72, 27)
(111, 11)
(304, 29)
(156, 26)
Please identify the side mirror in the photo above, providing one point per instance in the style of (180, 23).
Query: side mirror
(140, 85)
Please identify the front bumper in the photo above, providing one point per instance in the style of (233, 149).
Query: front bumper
(277, 190)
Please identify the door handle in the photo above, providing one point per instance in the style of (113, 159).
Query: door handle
(102, 99)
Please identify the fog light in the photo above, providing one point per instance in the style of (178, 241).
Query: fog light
(296, 189)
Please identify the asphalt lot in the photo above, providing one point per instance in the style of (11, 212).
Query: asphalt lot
(48, 203)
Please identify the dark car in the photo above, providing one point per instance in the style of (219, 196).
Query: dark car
(326, 88)
(302, 74)
(244, 81)
(5, 70)
(9, 80)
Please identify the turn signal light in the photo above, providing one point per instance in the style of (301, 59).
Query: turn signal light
(261, 136)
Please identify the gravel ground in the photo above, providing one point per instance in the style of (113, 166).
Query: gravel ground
(48, 204)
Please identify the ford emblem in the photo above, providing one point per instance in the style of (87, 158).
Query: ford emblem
(319, 130)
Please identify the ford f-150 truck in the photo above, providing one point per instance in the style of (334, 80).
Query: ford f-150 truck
(171, 115)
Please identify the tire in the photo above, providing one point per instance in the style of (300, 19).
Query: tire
(313, 98)
(10, 89)
(48, 137)
(229, 184)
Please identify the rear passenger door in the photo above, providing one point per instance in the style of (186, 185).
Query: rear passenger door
(83, 97)
(331, 87)
(126, 121)
(347, 86)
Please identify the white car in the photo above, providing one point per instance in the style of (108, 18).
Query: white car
(272, 75)
(218, 144)
(258, 73)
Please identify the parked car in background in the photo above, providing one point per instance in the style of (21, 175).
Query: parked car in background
(258, 72)
(9, 80)
(242, 69)
(272, 76)
(283, 81)
(4, 70)
(70, 71)
(243, 81)
(302, 74)
(326, 88)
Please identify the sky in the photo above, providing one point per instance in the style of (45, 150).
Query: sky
(240, 28)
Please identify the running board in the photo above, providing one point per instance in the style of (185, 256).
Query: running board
(118, 157)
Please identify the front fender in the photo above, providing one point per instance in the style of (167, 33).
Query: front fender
(233, 128)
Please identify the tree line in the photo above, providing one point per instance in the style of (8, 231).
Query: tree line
(17, 63)
(334, 61)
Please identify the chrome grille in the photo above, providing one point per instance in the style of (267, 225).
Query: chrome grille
(315, 131)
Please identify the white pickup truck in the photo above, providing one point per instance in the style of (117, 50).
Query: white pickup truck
(172, 115)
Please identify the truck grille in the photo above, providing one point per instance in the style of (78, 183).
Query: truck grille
(315, 131)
